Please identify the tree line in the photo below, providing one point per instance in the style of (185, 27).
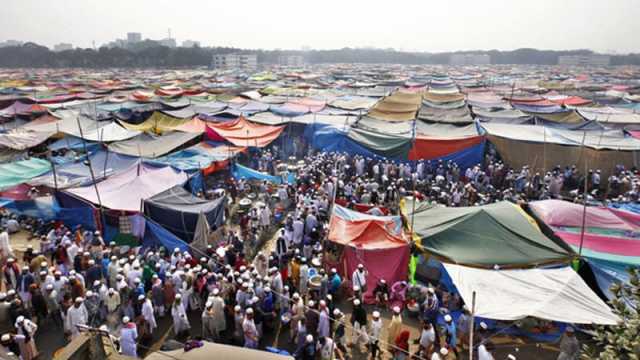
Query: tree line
(149, 54)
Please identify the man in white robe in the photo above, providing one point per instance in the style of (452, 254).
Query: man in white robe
(77, 315)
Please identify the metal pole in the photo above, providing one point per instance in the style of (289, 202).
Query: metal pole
(93, 177)
(472, 325)
(584, 195)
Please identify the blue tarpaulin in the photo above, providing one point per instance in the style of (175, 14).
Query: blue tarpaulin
(243, 172)
(156, 236)
(47, 208)
(607, 273)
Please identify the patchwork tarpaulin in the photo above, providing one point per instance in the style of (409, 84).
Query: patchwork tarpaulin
(610, 234)
(152, 146)
(158, 123)
(242, 172)
(15, 173)
(127, 190)
(557, 294)
(198, 157)
(241, 132)
(71, 122)
(377, 242)
(178, 210)
(496, 234)
(399, 106)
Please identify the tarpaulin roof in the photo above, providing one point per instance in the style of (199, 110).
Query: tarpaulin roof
(363, 231)
(451, 116)
(399, 106)
(611, 139)
(242, 172)
(499, 233)
(20, 108)
(66, 121)
(609, 115)
(157, 123)
(509, 114)
(152, 146)
(198, 156)
(353, 102)
(177, 210)
(74, 174)
(241, 132)
(22, 140)
(18, 172)
(609, 234)
(557, 294)
(221, 351)
(126, 190)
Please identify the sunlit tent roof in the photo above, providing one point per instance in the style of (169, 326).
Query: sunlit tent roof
(74, 174)
(15, 173)
(269, 118)
(126, 190)
(241, 132)
(71, 122)
(399, 106)
(353, 102)
(157, 123)
(177, 210)
(609, 115)
(22, 140)
(496, 234)
(557, 294)
(152, 146)
(459, 115)
(198, 156)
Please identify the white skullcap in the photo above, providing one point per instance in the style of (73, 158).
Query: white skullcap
(356, 302)
(444, 351)
(126, 319)
(396, 309)
(376, 314)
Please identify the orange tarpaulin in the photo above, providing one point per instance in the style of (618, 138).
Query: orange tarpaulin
(241, 132)
(430, 148)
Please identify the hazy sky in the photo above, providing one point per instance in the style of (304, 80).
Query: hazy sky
(422, 25)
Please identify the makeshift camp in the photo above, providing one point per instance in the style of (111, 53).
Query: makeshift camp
(177, 210)
(557, 294)
(127, 190)
(377, 242)
(399, 106)
(497, 234)
(152, 146)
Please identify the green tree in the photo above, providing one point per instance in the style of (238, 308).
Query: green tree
(620, 342)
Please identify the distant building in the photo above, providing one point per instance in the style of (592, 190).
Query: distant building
(169, 42)
(585, 60)
(291, 60)
(235, 61)
(62, 47)
(134, 37)
(10, 43)
(190, 43)
(470, 59)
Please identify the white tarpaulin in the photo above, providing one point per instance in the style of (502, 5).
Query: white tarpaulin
(551, 294)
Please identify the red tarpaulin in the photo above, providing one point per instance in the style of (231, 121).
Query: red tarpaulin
(377, 242)
(430, 148)
(241, 132)
(572, 100)
(564, 213)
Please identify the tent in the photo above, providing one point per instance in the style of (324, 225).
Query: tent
(241, 132)
(157, 123)
(19, 172)
(152, 146)
(540, 145)
(177, 210)
(377, 242)
(484, 236)
(557, 294)
(242, 172)
(127, 190)
(610, 235)
(73, 174)
(399, 106)
(199, 156)
(23, 140)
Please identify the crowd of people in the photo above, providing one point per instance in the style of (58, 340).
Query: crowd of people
(73, 279)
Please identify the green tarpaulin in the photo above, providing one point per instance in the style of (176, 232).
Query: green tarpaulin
(15, 173)
(496, 234)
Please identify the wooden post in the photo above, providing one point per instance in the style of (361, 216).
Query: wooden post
(472, 325)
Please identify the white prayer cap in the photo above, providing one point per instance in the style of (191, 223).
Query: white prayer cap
(25, 268)
(336, 312)
(176, 250)
(483, 325)
(140, 297)
(5, 337)
(209, 304)
(447, 318)
(44, 264)
(126, 319)
(376, 314)
(96, 283)
(49, 286)
(360, 266)
(216, 291)
(237, 308)
(112, 290)
(511, 357)
(89, 293)
(92, 262)
(396, 309)
(267, 289)
(20, 319)
(249, 311)
(356, 302)
(79, 299)
(444, 351)
(178, 296)
(43, 273)
(136, 280)
(295, 295)
(309, 338)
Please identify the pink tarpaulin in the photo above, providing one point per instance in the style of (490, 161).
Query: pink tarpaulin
(389, 264)
(603, 243)
(126, 190)
(564, 213)
(241, 132)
